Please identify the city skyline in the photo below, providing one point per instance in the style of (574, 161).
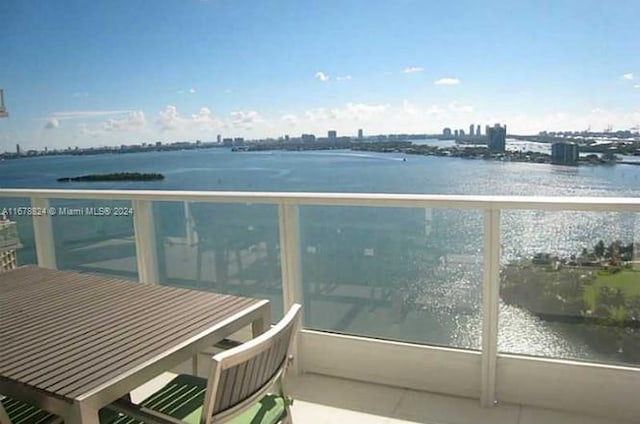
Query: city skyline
(82, 74)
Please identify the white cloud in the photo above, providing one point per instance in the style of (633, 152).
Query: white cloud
(349, 112)
(245, 120)
(168, 118)
(628, 77)
(343, 78)
(84, 129)
(361, 110)
(410, 108)
(134, 120)
(83, 114)
(80, 94)
(636, 85)
(289, 119)
(413, 69)
(447, 81)
(321, 76)
(192, 90)
(52, 123)
(204, 117)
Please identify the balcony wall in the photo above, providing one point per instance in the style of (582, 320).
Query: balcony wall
(492, 298)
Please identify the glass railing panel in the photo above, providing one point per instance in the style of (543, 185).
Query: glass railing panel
(405, 274)
(225, 248)
(570, 285)
(95, 236)
(17, 244)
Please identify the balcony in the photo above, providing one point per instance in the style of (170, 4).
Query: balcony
(460, 308)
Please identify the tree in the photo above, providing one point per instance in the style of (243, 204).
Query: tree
(599, 249)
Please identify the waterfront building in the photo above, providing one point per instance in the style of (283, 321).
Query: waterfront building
(219, 139)
(486, 130)
(496, 138)
(227, 142)
(3, 110)
(446, 132)
(18, 149)
(332, 134)
(360, 135)
(286, 137)
(456, 133)
(308, 138)
(471, 130)
(478, 134)
(461, 132)
(564, 153)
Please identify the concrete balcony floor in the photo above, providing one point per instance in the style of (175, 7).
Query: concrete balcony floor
(327, 400)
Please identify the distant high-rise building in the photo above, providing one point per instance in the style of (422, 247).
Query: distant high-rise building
(564, 153)
(3, 110)
(332, 134)
(18, 149)
(496, 138)
(227, 142)
(456, 133)
(471, 128)
(360, 135)
(446, 132)
(478, 131)
(219, 138)
(461, 132)
(286, 137)
(486, 130)
(308, 138)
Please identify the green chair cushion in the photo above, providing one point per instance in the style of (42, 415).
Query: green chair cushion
(23, 413)
(183, 397)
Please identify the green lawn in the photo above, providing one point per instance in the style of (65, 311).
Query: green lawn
(626, 280)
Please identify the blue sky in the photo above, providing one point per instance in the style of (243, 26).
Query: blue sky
(79, 72)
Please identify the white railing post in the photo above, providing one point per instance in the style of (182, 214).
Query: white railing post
(490, 305)
(43, 233)
(290, 266)
(145, 236)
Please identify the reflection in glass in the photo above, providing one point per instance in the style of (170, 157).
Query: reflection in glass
(393, 273)
(570, 285)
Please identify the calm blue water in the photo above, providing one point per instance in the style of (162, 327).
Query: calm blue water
(327, 171)
(440, 289)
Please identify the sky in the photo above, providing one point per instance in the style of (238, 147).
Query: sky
(96, 73)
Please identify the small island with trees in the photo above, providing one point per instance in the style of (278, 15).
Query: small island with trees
(598, 287)
(117, 176)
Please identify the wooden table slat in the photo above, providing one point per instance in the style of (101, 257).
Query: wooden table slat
(111, 367)
(57, 322)
(132, 336)
(70, 334)
(66, 339)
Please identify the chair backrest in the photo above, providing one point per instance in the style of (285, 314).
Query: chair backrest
(239, 377)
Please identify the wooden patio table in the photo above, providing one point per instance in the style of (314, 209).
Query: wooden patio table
(72, 343)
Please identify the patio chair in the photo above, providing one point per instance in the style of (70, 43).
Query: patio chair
(17, 412)
(237, 390)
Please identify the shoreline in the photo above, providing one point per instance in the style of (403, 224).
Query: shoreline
(408, 148)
